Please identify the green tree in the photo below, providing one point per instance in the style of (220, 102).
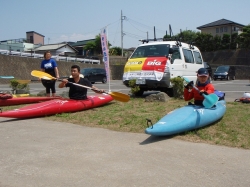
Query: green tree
(216, 43)
(95, 46)
(233, 43)
(187, 36)
(166, 37)
(204, 42)
(115, 51)
(243, 39)
(225, 41)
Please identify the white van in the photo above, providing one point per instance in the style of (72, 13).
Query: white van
(153, 64)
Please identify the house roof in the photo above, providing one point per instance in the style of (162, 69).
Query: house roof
(82, 43)
(220, 22)
(35, 32)
(54, 47)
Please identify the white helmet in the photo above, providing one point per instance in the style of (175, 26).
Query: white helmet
(246, 95)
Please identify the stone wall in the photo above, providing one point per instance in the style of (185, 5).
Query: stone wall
(239, 58)
(21, 67)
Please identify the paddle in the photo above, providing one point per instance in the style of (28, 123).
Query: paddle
(32, 80)
(6, 77)
(115, 95)
(209, 100)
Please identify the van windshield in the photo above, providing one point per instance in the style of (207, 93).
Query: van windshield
(161, 50)
(222, 68)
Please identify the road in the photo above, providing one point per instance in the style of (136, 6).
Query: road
(37, 152)
(234, 89)
(41, 153)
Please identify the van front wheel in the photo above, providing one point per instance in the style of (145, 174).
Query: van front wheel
(170, 92)
(139, 93)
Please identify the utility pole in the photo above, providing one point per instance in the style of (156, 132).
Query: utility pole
(122, 34)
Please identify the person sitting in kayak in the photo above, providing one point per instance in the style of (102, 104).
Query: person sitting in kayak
(77, 92)
(203, 84)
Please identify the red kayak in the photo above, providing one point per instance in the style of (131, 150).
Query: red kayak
(57, 106)
(24, 100)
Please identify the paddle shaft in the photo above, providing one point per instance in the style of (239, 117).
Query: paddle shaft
(197, 89)
(81, 85)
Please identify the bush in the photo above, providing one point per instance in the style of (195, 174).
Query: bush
(134, 88)
(15, 85)
(178, 87)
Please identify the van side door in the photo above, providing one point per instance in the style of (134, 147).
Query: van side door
(176, 67)
(193, 62)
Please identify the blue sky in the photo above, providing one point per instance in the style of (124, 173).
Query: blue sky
(75, 20)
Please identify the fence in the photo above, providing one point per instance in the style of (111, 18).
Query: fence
(58, 58)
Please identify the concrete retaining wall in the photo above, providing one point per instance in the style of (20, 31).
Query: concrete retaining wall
(21, 67)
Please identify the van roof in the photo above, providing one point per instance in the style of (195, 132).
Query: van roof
(171, 43)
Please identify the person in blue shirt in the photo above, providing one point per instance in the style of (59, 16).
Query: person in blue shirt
(49, 66)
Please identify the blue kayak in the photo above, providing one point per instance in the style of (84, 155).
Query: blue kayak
(187, 118)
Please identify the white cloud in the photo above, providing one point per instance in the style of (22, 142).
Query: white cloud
(71, 38)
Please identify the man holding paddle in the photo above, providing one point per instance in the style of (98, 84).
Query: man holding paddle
(77, 92)
(201, 90)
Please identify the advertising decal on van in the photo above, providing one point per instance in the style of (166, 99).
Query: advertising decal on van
(151, 68)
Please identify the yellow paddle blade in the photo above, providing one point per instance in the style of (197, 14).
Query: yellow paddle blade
(42, 75)
(119, 96)
(20, 95)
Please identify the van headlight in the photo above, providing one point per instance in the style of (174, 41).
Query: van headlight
(166, 69)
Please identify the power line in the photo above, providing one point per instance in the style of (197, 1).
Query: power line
(135, 27)
(143, 25)
(134, 35)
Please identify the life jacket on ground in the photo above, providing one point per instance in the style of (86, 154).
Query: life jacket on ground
(244, 99)
(220, 94)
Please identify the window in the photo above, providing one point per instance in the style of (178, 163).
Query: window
(188, 56)
(160, 50)
(225, 29)
(221, 29)
(197, 57)
(217, 30)
(31, 39)
(175, 55)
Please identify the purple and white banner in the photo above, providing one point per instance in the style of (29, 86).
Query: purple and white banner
(105, 51)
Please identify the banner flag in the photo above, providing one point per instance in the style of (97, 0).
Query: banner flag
(105, 51)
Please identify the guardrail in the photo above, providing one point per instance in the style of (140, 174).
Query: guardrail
(57, 58)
